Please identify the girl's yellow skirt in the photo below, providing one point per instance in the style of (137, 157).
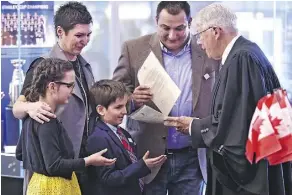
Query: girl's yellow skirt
(44, 185)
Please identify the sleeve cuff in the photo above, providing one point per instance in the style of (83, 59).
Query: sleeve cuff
(190, 127)
(145, 170)
(79, 164)
(198, 127)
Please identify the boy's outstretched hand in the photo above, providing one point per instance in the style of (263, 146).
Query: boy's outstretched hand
(153, 162)
(97, 159)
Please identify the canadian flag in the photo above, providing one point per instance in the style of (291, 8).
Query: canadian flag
(270, 133)
(280, 119)
(289, 108)
(262, 138)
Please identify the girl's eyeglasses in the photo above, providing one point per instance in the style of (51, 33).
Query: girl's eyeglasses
(69, 85)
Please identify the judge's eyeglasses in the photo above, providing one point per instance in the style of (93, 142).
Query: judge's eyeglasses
(198, 34)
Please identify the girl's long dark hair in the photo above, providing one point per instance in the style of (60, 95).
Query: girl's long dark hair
(48, 70)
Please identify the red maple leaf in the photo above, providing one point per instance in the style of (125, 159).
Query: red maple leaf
(275, 122)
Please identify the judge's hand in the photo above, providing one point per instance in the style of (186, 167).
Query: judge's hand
(97, 159)
(141, 95)
(153, 162)
(181, 123)
(40, 111)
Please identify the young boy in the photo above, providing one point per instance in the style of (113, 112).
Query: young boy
(125, 176)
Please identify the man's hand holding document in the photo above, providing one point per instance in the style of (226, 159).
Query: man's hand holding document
(165, 91)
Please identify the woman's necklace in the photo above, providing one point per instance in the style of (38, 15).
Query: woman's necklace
(79, 69)
(79, 79)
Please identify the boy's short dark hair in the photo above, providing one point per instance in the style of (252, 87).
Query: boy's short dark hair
(106, 92)
(70, 14)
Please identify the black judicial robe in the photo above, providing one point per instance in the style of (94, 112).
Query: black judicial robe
(245, 77)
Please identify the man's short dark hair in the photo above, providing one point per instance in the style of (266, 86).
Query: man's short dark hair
(174, 8)
(106, 92)
(70, 14)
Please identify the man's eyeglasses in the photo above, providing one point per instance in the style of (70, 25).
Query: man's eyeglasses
(69, 85)
(198, 35)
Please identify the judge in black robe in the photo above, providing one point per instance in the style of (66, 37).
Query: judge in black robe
(243, 79)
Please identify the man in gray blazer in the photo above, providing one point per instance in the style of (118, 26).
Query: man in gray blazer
(194, 73)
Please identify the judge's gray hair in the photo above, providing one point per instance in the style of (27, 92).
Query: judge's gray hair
(216, 15)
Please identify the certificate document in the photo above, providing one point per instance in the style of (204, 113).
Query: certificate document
(148, 115)
(165, 91)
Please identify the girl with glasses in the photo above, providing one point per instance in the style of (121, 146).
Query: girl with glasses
(45, 148)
